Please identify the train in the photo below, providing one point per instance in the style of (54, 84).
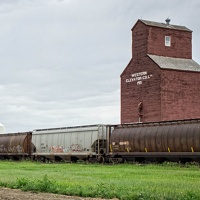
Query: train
(177, 140)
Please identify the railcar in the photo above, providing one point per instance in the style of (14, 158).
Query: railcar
(156, 141)
(71, 143)
(16, 145)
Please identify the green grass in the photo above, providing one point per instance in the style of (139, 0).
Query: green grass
(127, 181)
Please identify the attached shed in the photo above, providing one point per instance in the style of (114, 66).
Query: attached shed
(161, 82)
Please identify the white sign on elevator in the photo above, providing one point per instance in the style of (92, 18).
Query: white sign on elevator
(139, 77)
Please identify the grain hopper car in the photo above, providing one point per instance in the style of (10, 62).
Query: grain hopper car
(71, 143)
(156, 141)
(16, 146)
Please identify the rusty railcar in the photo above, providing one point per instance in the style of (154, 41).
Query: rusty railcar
(15, 145)
(170, 140)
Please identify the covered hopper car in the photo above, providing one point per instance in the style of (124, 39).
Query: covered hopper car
(71, 143)
(16, 146)
(156, 141)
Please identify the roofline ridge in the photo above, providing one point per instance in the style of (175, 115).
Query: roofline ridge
(163, 25)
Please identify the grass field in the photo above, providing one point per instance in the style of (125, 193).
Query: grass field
(127, 181)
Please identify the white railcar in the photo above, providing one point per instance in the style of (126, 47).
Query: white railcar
(71, 143)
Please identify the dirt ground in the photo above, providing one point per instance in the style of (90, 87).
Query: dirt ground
(13, 194)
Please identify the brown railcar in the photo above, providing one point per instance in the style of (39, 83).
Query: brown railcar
(173, 140)
(16, 145)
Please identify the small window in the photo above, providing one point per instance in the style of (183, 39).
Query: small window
(167, 41)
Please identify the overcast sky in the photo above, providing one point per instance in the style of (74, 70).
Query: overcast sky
(61, 60)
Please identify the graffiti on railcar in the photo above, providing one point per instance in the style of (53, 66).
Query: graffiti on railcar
(14, 149)
(76, 148)
(61, 149)
(57, 149)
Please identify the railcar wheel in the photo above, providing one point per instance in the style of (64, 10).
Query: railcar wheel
(41, 159)
(92, 160)
(74, 159)
(116, 160)
(101, 159)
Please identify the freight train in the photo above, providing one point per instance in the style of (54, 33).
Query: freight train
(154, 141)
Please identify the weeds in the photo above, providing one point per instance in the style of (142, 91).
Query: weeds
(43, 185)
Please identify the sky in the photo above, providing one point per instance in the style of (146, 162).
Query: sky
(61, 60)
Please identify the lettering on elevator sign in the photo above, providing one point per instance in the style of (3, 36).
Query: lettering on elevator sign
(139, 77)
